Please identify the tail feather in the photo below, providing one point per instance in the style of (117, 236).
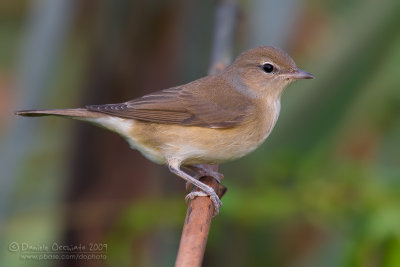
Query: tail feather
(77, 113)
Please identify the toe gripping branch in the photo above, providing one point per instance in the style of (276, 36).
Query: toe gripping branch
(212, 182)
(219, 188)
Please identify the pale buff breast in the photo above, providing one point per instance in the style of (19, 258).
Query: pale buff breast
(194, 145)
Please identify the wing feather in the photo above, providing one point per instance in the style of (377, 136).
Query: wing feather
(194, 104)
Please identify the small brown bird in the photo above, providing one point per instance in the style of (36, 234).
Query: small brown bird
(208, 121)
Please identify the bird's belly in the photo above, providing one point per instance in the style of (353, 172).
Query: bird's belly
(196, 145)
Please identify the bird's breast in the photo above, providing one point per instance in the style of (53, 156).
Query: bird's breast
(199, 145)
(259, 128)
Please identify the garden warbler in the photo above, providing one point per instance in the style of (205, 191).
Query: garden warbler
(211, 120)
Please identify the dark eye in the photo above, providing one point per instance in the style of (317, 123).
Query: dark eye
(268, 68)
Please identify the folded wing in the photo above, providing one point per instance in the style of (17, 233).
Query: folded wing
(195, 104)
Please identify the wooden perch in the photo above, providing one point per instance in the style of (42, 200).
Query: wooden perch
(197, 225)
(200, 210)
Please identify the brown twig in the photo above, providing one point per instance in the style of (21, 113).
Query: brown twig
(197, 225)
(200, 210)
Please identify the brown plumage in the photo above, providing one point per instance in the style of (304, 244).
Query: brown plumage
(211, 120)
(189, 105)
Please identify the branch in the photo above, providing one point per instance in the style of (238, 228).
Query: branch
(197, 225)
(225, 24)
(200, 210)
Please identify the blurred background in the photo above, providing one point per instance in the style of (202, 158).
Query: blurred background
(323, 190)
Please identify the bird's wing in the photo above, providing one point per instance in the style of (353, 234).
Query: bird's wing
(195, 104)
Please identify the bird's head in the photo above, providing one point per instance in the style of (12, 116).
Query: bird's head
(266, 70)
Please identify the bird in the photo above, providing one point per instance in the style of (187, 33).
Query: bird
(212, 120)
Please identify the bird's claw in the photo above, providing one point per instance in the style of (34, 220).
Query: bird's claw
(213, 196)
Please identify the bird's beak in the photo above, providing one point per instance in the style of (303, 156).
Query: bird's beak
(299, 74)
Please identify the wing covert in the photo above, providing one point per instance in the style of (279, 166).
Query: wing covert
(194, 104)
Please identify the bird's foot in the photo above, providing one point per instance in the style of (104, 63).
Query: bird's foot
(174, 167)
(213, 196)
(203, 171)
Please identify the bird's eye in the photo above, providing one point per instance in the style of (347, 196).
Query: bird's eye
(268, 67)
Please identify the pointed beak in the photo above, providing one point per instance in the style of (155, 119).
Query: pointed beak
(299, 74)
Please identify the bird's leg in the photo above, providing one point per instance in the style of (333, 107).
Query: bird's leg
(203, 171)
(195, 174)
(174, 167)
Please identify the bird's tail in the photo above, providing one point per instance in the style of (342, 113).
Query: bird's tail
(77, 113)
